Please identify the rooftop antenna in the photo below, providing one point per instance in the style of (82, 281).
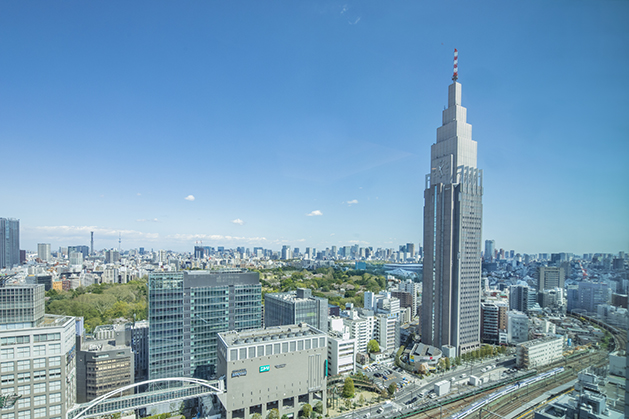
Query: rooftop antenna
(455, 76)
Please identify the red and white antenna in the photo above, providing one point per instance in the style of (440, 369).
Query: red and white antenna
(455, 76)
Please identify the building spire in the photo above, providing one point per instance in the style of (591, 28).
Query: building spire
(455, 76)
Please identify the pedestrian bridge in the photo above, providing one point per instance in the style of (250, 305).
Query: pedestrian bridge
(112, 402)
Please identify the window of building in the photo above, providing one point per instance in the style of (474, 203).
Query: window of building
(54, 398)
(24, 390)
(276, 348)
(24, 414)
(233, 354)
(39, 363)
(54, 410)
(23, 402)
(284, 347)
(39, 400)
(39, 375)
(40, 412)
(308, 343)
(8, 415)
(54, 361)
(24, 364)
(41, 387)
(54, 348)
(39, 350)
(7, 367)
(252, 352)
(293, 346)
(54, 372)
(23, 377)
(6, 353)
(54, 385)
(243, 353)
(23, 352)
(7, 379)
(300, 345)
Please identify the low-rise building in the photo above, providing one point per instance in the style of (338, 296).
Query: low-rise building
(341, 353)
(281, 368)
(539, 352)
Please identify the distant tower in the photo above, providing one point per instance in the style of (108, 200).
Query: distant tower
(92, 243)
(119, 242)
(452, 233)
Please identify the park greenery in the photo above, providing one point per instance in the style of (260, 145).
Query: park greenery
(348, 388)
(101, 304)
(372, 346)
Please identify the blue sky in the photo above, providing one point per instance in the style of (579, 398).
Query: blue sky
(309, 123)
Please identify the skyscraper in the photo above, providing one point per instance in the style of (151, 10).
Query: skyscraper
(452, 233)
(186, 311)
(490, 249)
(9, 242)
(43, 251)
(296, 307)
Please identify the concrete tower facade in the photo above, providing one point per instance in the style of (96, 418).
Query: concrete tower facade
(452, 234)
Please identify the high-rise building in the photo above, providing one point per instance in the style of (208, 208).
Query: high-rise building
(295, 307)
(286, 253)
(9, 242)
(521, 298)
(84, 250)
(452, 233)
(410, 248)
(186, 311)
(549, 277)
(490, 249)
(43, 251)
(38, 355)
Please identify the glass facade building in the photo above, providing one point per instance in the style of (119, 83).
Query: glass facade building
(296, 307)
(186, 311)
(9, 242)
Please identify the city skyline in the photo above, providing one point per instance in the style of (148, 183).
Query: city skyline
(308, 124)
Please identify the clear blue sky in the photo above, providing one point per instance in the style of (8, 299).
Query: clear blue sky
(112, 113)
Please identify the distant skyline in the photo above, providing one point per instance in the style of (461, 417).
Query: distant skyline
(309, 123)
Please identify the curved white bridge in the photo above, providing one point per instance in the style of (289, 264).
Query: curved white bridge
(113, 403)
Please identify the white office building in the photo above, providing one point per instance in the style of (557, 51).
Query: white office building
(341, 353)
(517, 327)
(539, 352)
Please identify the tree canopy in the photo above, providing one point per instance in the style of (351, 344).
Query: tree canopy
(348, 388)
(372, 346)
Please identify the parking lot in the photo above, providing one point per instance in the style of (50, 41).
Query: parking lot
(383, 375)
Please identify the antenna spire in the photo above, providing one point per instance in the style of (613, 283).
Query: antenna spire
(455, 76)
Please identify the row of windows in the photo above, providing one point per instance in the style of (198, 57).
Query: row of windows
(25, 390)
(25, 351)
(15, 340)
(26, 364)
(37, 413)
(22, 377)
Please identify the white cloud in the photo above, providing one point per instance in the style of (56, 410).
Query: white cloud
(238, 221)
(189, 198)
(315, 212)
(139, 194)
(66, 232)
(352, 202)
(344, 9)
(153, 220)
(355, 22)
(216, 237)
(358, 242)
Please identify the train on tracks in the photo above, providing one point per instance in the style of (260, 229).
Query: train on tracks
(507, 390)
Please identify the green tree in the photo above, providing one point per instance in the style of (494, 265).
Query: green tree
(448, 364)
(306, 410)
(318, 408)
(285, 416)
(361, 400)
(391, 389)
(256, 416)
(273, 414)
(348, 388)
(372, 346)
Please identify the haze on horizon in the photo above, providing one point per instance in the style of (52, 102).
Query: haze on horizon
(309, 124)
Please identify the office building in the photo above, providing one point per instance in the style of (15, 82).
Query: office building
(549, 277)
(521, 298)
(360, 328)
(43, 252)
(286, 253)
(112, 256)
(296, 307)
(186, 311)
(517, 327)
(280, 368)
(387, 332)
(494, 323)
(38, 355)
(83, 250)
(452, 234)
(490, 250)
(102, 365)
(588, 296)
(9, 242)
(539, 352)
(75, 258)
(341, 353)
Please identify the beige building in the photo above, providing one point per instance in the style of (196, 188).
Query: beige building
(539, 352)
(282, 367)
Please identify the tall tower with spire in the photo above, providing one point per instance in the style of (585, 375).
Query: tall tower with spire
(452, 232)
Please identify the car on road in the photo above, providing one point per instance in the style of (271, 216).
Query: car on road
(377, 374)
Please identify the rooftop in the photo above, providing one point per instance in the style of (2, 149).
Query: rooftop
(276, 333)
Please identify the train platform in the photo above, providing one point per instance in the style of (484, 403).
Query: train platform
(533, 403)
